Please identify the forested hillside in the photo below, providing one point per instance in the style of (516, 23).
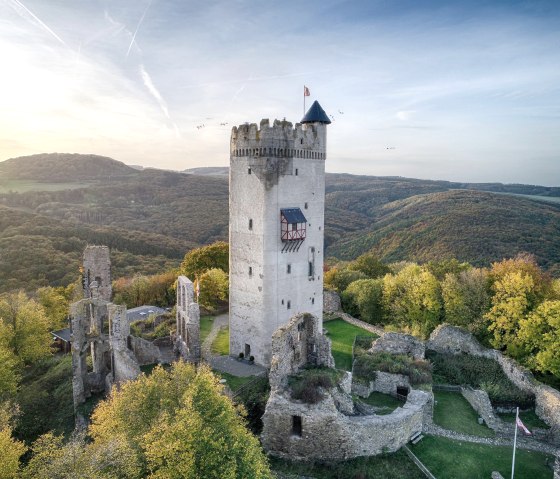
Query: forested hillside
(150, 218)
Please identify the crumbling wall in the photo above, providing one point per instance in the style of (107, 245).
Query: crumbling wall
(386, 383)
(399, 343)
(125, 365)
(328, 435)
(480, 402)
(144, 351)
(97, 268)
(187, 341)
(331, 301)
(295, 345)
(450, 339)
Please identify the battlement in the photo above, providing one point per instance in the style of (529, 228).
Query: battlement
(281, 139)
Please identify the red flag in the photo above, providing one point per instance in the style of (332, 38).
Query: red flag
(522, 426)
(306, 91)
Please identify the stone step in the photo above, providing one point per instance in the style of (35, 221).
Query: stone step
(416, 437)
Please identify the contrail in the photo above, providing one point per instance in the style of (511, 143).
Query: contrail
(138, 28)
(37, 19)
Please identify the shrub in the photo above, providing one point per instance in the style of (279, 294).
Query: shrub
(481, 373)
(306, 385)
(366, 365)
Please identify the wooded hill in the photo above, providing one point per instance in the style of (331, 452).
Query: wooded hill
(150, 218)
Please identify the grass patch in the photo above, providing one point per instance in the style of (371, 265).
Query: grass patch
(342, 336)
(453, 411)
(461, 460)
(417, 370)
(529, 418)
(206, 323)
(220, 345)
(386, 466)
(385, 402)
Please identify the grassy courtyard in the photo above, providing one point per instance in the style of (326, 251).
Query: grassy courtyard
(342, 336)
(529, 418)
(452, 411)
(234, 382)
(385, 402)
(446, 458)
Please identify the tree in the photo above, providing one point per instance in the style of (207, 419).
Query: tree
(200, 260)
(440, 269)
(24, 327)
(56, 305)
(9, 373)
(339, 278)
(157, 290)
(214, 288)
(11, 449)
(412, 299)
(466, 299)
(540, 335)
(363, 298)
(179, 424)
(510, 304)
(370, 265)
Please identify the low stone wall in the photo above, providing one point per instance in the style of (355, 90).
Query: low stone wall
(385, 383)
(329, 435)
(450, 339)
(480, 402)
(399, 343)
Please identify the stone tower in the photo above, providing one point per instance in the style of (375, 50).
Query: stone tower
(96, 276)
(277, 209)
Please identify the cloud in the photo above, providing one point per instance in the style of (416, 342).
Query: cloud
(405, 115)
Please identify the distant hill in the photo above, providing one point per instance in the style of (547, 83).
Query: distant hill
(63, 167)
(473, 226)
(208, 170)
(150, 218)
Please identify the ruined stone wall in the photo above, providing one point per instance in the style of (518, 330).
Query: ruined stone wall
(295, 345)
(125, 365)
(331, 301)
(385, 383)
(97, 268)
(399, 343)
(480, 402)
(450, 339)
(144, 351)
(188, 321)
(557, 468)
(329, 435)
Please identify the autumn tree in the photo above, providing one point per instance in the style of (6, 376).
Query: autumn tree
(9, 373)
(157, 290)
(187, 428)
(466, 299)
(56, 304)
(412, 299)
(511, 302)
(339, 278)
(363, 298)
(214, 288)
(24, 327)
(370, 265)
(200, 260)
(11, 449)
(539, 334)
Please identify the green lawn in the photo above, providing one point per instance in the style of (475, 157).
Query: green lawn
(452, 411)
(220, 345)
(385, 401)
(529, 418)
(234, 382)
(342, 335)
(388, 466)
(206, 323)
(446, 458)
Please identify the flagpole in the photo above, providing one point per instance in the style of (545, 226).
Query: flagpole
(514, 443)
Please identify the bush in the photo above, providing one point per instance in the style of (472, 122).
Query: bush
(366, 365)
(479, 373)
(306, 385)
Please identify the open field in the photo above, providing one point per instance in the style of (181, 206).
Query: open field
(452, 411)
(342, 335)
(446, 458)
(24, 186)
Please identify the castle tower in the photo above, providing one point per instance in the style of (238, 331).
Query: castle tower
(277, 209)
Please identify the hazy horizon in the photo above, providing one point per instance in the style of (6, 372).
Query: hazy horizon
(449, 90)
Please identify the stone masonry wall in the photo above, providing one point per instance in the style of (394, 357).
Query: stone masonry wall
(399, 343)
(450, 339)
(331, 301)
(329, 435)
(97, 267)
(385, 383)
(480, 402)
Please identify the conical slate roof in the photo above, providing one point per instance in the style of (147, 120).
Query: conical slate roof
(316, 114)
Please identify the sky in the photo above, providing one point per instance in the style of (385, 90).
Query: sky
(455, 90)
